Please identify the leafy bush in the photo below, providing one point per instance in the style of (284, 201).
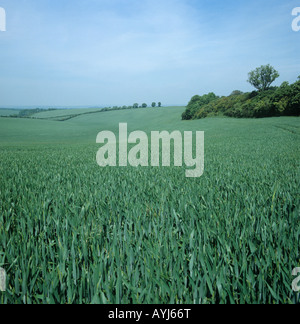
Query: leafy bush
(275, 101)
(196, 103)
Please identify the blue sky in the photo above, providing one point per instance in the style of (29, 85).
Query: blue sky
(118, 52)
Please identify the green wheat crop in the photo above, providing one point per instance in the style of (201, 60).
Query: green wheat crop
(71, 232)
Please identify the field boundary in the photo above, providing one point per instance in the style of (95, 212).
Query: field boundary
(71, 116)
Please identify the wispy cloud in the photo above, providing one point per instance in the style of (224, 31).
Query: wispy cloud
(117, 52)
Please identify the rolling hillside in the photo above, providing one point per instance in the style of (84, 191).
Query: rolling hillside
(8, 112)
(62, 114)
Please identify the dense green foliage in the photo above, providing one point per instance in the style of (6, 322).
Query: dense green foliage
(262, 78)
(71, 232)
(196, 103)
(276, 101)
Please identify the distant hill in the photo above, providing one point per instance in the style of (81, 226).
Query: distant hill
(4, 112)
(67, 113)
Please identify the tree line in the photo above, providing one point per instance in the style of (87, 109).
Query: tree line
(134, 106)
(28, 113)
(265, 101)
(144, 105)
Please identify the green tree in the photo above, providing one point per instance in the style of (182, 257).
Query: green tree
(261, 78)
(135, 105)
(196, 103)
(159, 104)
(144, 105)
(236, 93)
(284, 84)
(153, 104)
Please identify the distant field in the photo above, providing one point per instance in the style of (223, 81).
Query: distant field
(8, 112)
(72, 232)
(63, 113)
